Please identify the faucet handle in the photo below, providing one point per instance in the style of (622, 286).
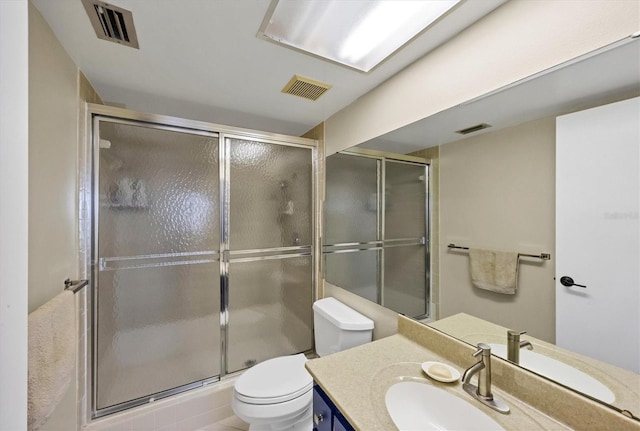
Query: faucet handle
(511, 332)
(483, 349)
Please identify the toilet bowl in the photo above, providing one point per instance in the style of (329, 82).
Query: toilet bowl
(277, 394)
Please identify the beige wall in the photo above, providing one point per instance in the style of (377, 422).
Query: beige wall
(497, 190)
(56, 95)
(516, 40)
(433, 155)
(317, 133)
(53, 161)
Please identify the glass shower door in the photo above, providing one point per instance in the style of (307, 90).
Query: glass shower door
(352, 225)
(376, 229)
(405, 251)
(270, 276)
(156, 261)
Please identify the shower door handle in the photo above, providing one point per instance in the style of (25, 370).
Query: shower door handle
(565, 280)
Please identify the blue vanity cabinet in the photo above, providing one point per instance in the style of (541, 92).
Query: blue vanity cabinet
(340, 423)
(326, 416)
(322, 411)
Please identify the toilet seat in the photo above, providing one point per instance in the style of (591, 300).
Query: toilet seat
(274, 381)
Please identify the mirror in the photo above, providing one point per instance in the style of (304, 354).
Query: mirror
(519, 214)
(376, 228)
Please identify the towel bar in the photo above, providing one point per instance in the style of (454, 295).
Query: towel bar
(74, 285)
(543, 256)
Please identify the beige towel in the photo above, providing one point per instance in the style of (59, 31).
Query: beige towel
(52, 352)
(492, 270)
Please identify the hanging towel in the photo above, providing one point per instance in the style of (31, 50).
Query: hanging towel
(52, 352)
(493, 270)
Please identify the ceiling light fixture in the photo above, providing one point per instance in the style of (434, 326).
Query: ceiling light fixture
(356, 33)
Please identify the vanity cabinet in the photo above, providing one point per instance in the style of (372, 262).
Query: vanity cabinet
(326, 416)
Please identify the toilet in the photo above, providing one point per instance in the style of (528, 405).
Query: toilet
(277, 394)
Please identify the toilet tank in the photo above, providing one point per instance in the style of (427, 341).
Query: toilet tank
(338, 327)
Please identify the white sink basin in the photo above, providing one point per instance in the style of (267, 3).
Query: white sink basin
(560, 372)
(420, 406)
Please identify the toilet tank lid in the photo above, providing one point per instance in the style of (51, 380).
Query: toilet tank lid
(342, 316)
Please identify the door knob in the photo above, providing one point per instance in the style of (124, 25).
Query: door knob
(568, 281)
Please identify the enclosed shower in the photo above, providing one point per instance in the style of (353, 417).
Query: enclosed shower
(202, 253)
(376, 228)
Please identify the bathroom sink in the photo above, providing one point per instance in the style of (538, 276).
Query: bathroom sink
(560, 372)
(421, 406)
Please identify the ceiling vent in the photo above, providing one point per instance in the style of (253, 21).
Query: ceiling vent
(305, 87)
(111, 23)
(472, 129)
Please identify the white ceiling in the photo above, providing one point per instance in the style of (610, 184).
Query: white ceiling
(201, 59)
(609, 74)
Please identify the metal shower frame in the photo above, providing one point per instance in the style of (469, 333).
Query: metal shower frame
(380, 244)
(88, 199)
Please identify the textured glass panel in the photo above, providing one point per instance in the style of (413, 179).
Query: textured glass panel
(351, 199)
(405, 287)
(158, 191)
(356, 272)
(158, 325)
(158, 328)
(271, 195)
(405, 201)
(269, 310)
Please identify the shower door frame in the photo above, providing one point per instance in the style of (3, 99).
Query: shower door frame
(381, 242)
(88, 212)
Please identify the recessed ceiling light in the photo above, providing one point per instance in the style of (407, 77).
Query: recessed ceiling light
(355, 33)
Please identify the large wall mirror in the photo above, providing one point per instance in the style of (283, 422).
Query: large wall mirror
(500, 188)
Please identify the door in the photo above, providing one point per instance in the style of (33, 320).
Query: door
(157, 294)
(270, 269)
(353, 237)
(405, 233)
(597, 235)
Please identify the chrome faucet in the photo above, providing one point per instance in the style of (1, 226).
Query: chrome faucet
(482, 392)
(514, 345)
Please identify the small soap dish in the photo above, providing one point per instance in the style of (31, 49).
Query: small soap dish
(440, 372)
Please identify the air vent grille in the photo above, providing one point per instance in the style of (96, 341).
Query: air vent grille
(472, 129)
(111, 23)
(305, 87)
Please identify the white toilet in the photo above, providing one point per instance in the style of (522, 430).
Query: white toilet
(277, 394)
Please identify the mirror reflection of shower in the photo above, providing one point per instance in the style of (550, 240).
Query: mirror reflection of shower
(376, 229)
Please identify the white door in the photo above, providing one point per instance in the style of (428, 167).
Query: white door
(597, 235)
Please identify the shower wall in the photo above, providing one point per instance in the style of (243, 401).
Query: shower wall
(202, 254)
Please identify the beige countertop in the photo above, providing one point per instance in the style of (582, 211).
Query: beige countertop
(624, 384)
(357, 379)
